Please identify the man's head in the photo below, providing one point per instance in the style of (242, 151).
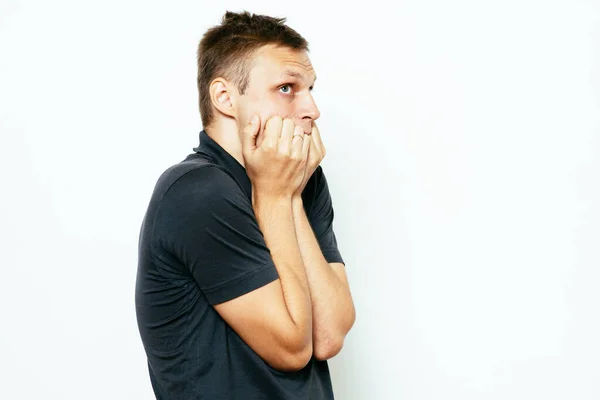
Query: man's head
(254, 64)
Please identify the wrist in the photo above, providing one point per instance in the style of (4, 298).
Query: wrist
(297, 200)
(266, 197)
(298, 206)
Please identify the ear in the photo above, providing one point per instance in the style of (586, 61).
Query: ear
(223, 96)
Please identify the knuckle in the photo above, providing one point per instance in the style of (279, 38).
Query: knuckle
(269, 146)
(298, 157)
(282, 154)
(275, 119)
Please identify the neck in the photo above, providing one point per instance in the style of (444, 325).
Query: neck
(225, 133)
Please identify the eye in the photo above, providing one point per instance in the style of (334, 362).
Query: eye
(287, 86)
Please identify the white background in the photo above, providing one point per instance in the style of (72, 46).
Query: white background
(463, 159)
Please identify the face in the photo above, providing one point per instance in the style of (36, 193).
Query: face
(281, 81)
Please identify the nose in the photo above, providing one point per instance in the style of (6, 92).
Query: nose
(309, 113)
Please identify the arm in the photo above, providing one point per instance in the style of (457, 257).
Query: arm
(211, 227)
(276, 320)
(332, 305)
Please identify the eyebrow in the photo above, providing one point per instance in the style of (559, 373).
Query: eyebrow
(294, 74)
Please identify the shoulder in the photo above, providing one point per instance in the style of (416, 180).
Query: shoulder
(201, 182)
(193, 175)
(316, 195)
(194, 188)
(198, 198)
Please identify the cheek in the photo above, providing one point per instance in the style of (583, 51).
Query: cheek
(267, 107)
(279, 108)
(266, 112)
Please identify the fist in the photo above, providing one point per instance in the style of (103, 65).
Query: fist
(277, 166)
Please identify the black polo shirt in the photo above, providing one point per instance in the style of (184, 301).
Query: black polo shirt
(200, 245)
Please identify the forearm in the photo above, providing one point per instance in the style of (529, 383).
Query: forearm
(275, 219)
(332, 307)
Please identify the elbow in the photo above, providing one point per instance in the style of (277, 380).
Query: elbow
(328, 344)
(298, 360)
(328, 348)
(292, 354)
(351, 319)
(290, 361)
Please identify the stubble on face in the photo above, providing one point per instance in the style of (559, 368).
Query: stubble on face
(271, 68)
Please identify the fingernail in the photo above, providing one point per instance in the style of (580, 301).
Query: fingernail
(254, 119)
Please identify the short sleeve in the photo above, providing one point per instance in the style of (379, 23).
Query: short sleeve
(207, 222)
(321, 216)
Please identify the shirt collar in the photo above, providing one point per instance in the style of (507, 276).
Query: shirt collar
(221, 157)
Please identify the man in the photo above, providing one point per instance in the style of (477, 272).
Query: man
(241, 291)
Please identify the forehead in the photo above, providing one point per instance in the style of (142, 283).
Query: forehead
(275, 62)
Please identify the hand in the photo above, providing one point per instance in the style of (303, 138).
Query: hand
(277, 167)
(316, 153)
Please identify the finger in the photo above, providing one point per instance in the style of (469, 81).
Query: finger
(316, 137)
(306, 146)
(287, 133)
(272, 131)
(249, 134)
(298, 141)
